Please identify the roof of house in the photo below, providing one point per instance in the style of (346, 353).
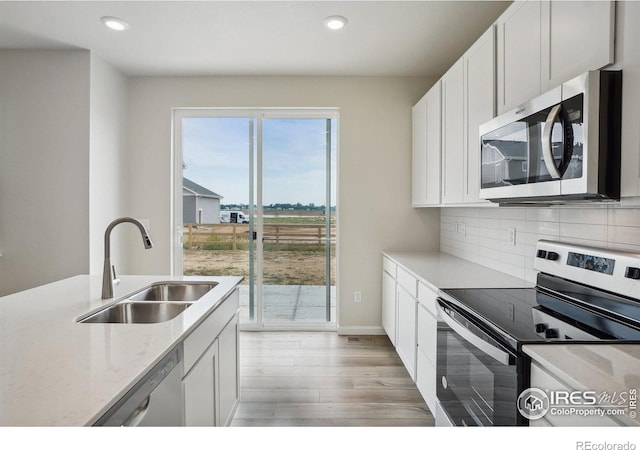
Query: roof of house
(198, 190)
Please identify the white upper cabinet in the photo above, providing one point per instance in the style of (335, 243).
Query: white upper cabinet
(518, 54)
(434, 144)
(419, 153)
(426, 149)
(479, 97)
(533, 46)
(543, 44)
(453, 134)
(578, 35)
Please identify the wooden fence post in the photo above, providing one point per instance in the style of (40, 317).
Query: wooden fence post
(190, 236)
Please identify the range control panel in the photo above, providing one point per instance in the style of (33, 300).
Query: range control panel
(612, 270)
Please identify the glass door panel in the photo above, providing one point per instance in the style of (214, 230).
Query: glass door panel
(298, 226)
(218, 210)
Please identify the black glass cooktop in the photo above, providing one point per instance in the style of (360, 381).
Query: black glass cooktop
(528, 315)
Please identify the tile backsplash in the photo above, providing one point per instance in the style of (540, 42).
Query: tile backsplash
(504, 239)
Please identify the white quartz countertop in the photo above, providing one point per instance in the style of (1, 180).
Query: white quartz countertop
(440, 271)
(55, 371)
(610, 368)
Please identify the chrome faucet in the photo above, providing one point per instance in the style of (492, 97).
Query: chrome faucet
(108, 271)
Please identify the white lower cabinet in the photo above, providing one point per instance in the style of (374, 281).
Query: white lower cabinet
(427, 344)
(200, 386)
(409, 318)
(389, 299)
(426, 380)
(210, 385)
(228, 374)
(406, 343)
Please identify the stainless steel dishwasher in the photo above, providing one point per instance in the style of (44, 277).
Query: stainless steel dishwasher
(155, 400)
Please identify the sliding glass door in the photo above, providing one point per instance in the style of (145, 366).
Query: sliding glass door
(255, 196)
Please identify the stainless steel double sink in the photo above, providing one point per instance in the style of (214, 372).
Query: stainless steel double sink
(155, 303)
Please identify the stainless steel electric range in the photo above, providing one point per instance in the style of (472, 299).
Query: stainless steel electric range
(583, 294)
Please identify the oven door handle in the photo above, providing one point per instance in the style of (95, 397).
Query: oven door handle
(485, 347)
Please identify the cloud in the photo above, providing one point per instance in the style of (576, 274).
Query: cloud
(216, 152)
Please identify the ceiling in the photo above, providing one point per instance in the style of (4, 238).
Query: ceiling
(382, 38)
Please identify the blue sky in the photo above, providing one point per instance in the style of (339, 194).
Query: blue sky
(216, 154)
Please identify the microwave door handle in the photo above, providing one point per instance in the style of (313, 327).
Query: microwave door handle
(485, 347)
(546, 143)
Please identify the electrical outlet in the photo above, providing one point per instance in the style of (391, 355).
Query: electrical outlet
(511, 236)
(357, 297)
(462, 229)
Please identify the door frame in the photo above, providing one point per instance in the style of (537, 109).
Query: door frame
(255, 163)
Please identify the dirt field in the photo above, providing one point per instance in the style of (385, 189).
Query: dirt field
(298, 267)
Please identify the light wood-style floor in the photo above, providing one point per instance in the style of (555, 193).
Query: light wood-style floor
(322, 379)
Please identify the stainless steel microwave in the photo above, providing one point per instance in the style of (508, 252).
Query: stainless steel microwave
(560, 147)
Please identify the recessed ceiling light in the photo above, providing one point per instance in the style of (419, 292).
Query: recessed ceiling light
(114, 23)
(335, 23)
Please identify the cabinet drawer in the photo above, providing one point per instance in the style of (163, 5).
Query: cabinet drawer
(408, 282)
(197, 342)
(389, 266)
(427, 297)
(427, 334)
(541, 379)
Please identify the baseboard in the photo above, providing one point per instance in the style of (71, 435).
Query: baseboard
(360, 331)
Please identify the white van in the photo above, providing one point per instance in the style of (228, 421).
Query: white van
(233, 217)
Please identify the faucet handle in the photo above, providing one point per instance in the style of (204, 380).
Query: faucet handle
(115, 279)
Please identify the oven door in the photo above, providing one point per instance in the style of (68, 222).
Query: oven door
(477, 376)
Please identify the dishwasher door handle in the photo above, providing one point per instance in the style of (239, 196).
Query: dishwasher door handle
(138, 414)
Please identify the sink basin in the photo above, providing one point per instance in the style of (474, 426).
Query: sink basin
(169, 291)
(129, 312)
(155, 303)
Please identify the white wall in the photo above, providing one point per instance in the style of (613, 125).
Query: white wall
(486, 231)
(374, 167)
(44, 141)
(108, 126)
(62, 144)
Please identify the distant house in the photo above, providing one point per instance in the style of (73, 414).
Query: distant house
(500, 166)
(199, 204)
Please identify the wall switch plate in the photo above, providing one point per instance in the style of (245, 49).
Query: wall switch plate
(511, 236)
(462, 229)
(357, 297)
